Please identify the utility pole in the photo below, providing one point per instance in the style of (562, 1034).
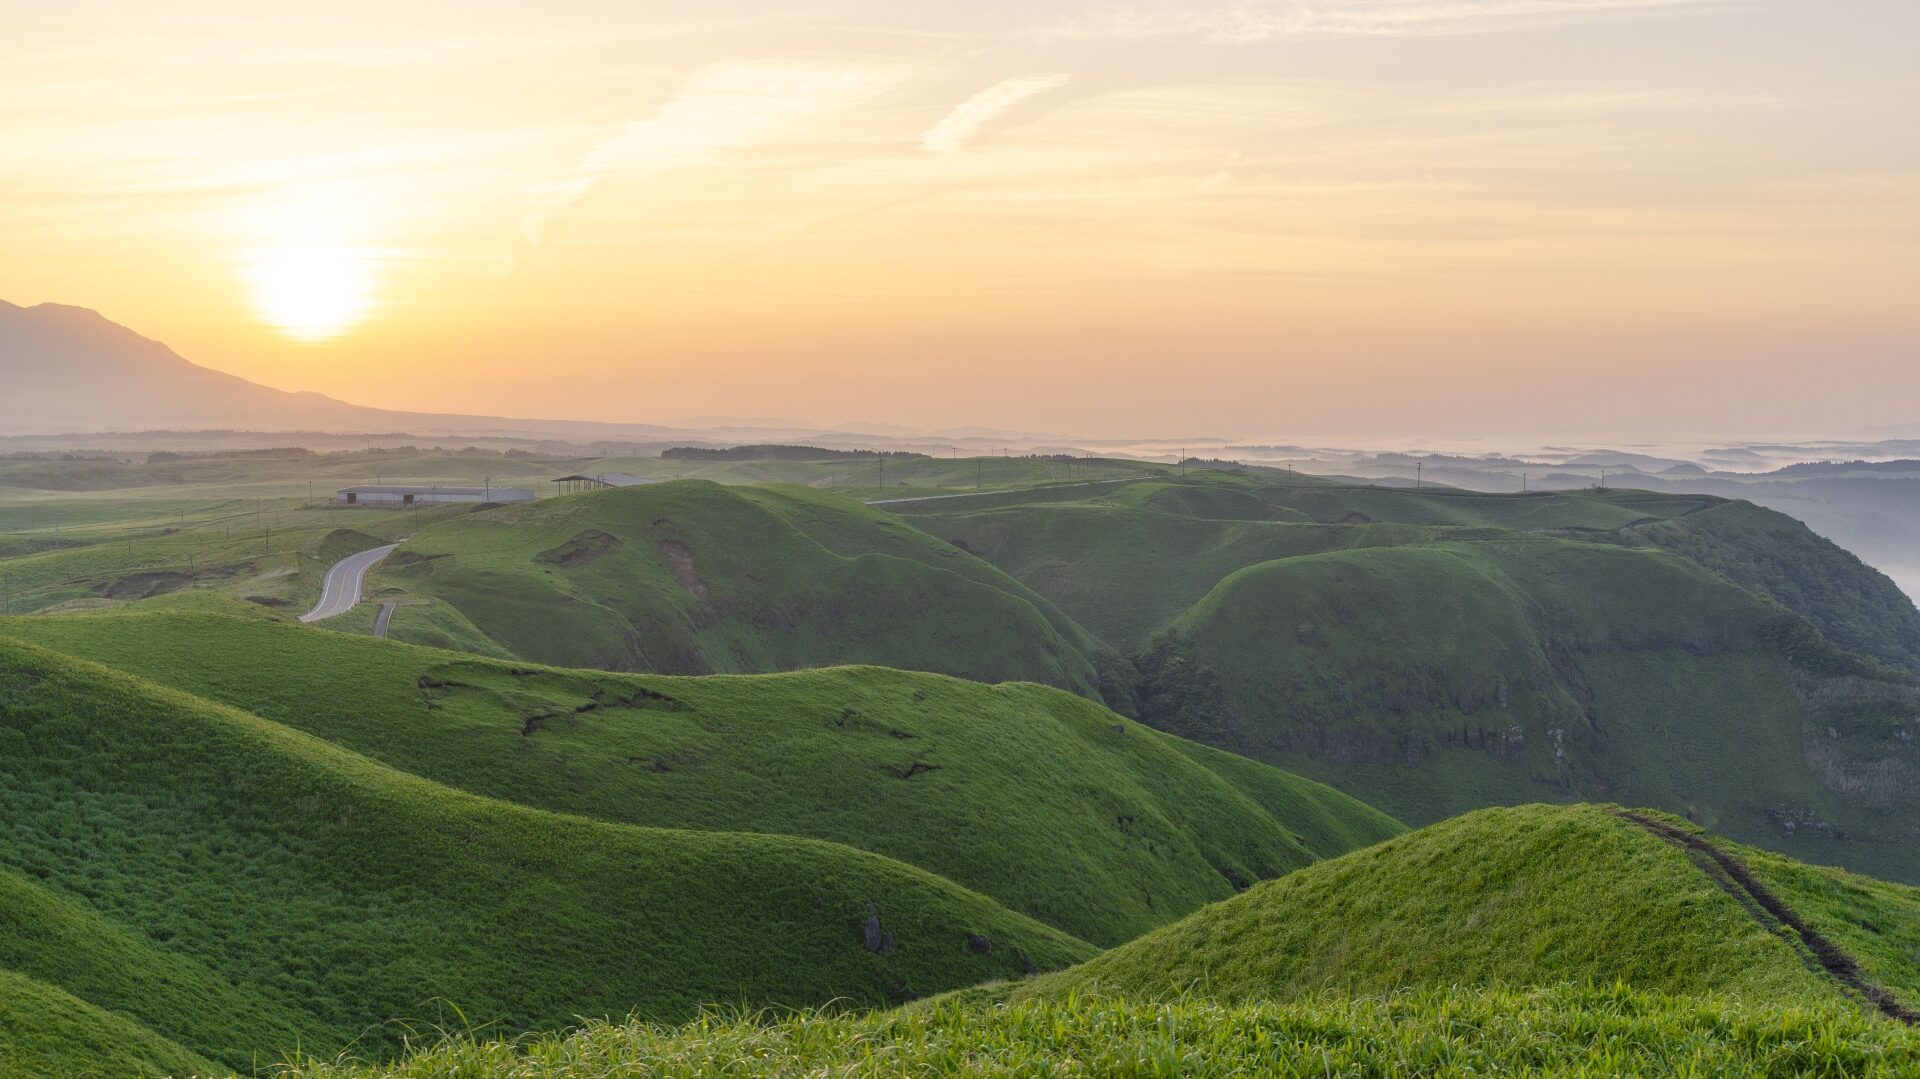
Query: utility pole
(883, 474)
(1419, 468)
(1523, 483)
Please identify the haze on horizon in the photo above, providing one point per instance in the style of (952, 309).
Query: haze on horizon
(1424, 217)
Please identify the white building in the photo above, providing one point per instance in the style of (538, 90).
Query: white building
(389, 496)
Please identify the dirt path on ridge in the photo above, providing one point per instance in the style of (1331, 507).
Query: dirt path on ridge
(1768, 909)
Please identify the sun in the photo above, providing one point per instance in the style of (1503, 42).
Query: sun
(311, 291)
(305, 260)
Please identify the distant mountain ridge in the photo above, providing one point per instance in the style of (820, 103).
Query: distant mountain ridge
(71, 369)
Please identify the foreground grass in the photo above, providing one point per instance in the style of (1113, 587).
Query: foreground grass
(1443, 1033)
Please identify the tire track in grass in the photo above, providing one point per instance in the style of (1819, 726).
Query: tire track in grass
(1772, 912)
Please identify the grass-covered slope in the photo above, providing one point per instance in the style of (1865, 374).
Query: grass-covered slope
(1124, 561)
(1527, 896)
(1856, 606)
(47, 1032)
(1435, 651)
(1040, 799)
(292, 886)
(1125, 572)
(1437, 679)
(692, 578)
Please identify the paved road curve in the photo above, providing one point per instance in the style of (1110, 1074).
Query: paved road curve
(385, 617)
(341, 590)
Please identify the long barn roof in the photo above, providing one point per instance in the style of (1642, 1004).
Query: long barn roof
(429, 489)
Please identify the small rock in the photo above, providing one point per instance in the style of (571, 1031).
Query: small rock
(979, 945)
(879, 941)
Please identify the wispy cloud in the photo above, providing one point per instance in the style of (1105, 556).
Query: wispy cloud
(971, 115)
(722, 107)
(1267, 20)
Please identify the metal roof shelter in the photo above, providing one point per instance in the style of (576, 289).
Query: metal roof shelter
(574, 484)
(427, 494)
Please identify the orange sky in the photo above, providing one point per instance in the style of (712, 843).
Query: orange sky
(1427, 217)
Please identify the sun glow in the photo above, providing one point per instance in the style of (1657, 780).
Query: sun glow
(308, 275)
(311, 291)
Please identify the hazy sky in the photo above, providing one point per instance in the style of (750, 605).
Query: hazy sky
(1247, 217)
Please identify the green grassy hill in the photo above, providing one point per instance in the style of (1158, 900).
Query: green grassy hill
(1128, 560)
(222, 880)
(1527, 896)
(1856, 606)
(694, 578)
(1438, 679)
(1046, 802)
(1449, 650)
(1123, 572)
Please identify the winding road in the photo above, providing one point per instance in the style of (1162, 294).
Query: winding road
(341, 589)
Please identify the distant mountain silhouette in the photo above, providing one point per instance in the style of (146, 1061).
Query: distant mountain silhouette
(70, 369)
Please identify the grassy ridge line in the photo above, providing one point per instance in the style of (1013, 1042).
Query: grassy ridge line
(1738, 881)
(1043, 492)
(1124, 573)
(848, 531)
(1875, 922)
(1207, 501)
(1578, 1033)
(695, 578)
(1533, 895)
(340, 894)
(1126, 564)
(1043, 800)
